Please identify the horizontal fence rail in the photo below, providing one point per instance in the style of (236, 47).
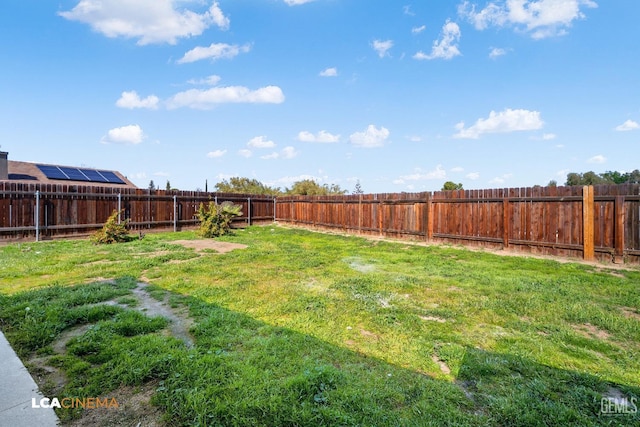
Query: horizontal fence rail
(46, 210)
(593, 222)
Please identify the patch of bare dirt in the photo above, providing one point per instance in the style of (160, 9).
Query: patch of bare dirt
(630, 313)
(588, 330)
(369, 334)
(433, 319)
(134, 410)
(443, 366)
(202, 244)
(60, 345)
(180, 323)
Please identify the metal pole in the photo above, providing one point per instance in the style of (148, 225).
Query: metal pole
(274, 209)
(37, 218)
(249, 209)
(175, 213)
(119, 206)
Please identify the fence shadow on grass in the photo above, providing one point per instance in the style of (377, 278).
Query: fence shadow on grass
(245, 372)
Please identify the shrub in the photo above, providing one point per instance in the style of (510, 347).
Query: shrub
(112, 232)
(215, 219)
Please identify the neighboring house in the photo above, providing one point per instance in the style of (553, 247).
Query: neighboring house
(40, 173)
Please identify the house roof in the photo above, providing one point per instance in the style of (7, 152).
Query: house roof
(31, 173)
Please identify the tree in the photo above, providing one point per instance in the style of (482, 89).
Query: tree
(168, 188)
(450, 185)
(358, 188)
(152, 185)
(608, 177)
(215, 219)
(308, 187)
(552, 183)
(112, 232)
(246, 186)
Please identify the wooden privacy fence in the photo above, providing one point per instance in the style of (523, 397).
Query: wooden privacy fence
(48, 210)
(591, 222)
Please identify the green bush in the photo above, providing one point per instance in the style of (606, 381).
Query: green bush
(112, 232)
(215, 219)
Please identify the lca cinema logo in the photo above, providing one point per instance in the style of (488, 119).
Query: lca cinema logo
(74, 402)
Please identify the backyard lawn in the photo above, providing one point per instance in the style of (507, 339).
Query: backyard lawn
(297, 328)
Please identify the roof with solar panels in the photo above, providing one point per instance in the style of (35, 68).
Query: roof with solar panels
(55, 174)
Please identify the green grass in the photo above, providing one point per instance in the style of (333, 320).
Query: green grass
(303, 329)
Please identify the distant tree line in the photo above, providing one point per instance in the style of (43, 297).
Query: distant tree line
(305, 187)
(609, 177)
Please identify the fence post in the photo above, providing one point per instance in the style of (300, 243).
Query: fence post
(380, 214)
(175, 213)
(429, 217)
(249, 209)
(274, 209)
(506, 221)
(619, 215)
(119, 207)
(360, 214)
(37, 216)
(588, 235)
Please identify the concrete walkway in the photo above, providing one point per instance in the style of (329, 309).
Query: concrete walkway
(17, 389)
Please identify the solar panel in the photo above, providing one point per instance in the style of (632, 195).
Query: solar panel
(74, 174)
(94, 175)
(80, 174)
(111, 177)
(52, 172)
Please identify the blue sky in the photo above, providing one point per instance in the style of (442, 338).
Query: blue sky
(400, 96)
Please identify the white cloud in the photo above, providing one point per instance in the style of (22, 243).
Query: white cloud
(322, 136)
(414, 138)
(505, 121)
(205, 99)
(420, 175)
(149, 21)
(599, 159)
(329, 72)
(213, 51)
(271, 156)
(473, 175)
(131, 100)
(447, 46)
(245, 153)
(501, 179)
(297, 2)
(211, 80)
(457, 169)
(289, 152)
(496, 52)
(627, 126)
(372, 137)
(261, 142)
(216, 154)
(139, 175)
(418, 30)
(131, 134)
(539, 18)
(407, 10)
(382, 47)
